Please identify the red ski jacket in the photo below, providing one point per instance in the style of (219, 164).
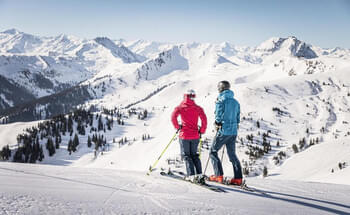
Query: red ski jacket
(189, 112)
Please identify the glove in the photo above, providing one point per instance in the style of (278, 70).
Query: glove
(218, 125)
(199, 132)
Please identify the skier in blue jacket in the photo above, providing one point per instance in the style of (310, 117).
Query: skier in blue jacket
(227, 118)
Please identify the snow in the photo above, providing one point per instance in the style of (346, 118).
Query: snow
(312, 91)
(3, 98)
(9, 132)
(305, 166)
(41, 189)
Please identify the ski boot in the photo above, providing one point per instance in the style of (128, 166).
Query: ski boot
(215, 178)
(199, 179)
(235, 181)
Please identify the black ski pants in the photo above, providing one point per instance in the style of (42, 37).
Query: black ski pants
(189, 153)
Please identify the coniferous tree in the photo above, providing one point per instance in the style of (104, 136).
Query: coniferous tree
(75, 142)
(41, 153)
(57, 142)
(96, 146)
(89, 143)
(70, 146)
(295, 148)
(18, 156)
(245, 171)
(82, 130)
(33, 157)
(9, 151)
(100, 124)
(109, 124)
(91, 121)
(265, 171)
(340, 165)
(64, 127)
(50, 146)
(70, 124)
(5, 153)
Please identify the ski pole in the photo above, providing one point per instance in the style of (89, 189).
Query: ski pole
(155, 163)
(206, 165)
(222, 155)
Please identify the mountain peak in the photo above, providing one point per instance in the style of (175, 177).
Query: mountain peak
(11, 31)
(119, 51)
(290, 44)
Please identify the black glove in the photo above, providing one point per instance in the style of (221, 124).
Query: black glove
(199, 132)
(218, 125)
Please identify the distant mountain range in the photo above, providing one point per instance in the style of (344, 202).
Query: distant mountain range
(33, 67)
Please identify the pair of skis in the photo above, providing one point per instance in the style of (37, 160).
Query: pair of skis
(181, 176)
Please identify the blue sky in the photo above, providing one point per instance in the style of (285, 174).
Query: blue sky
(324, 23)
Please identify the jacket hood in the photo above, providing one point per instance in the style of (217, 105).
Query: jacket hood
(226, 94)
(187, 101)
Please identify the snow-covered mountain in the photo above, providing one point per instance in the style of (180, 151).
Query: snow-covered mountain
(119, 51)
(294, 98)
(290, 45)
(149, 49)
(48, 65)
(166, 62)
(284, 83)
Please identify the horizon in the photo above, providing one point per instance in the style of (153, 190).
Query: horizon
(113, 39)
(320, 23)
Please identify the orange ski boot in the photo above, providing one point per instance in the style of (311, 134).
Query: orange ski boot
(236, 181)
(219, 178)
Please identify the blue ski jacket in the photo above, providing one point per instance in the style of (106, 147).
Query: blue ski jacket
(227, 113)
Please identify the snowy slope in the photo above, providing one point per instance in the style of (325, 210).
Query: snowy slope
(306, 100)
(317, 163)
(146, 48)
(309, 104)
(33, 189)
(309, 85)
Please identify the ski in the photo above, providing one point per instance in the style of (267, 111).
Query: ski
(205, 185)
(243, 186)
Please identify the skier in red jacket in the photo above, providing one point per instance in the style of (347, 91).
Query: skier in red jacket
(189, 132)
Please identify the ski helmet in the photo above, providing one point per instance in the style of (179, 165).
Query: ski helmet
(223, 85)
(190, 93)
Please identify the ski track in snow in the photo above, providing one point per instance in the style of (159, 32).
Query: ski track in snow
(45, 189)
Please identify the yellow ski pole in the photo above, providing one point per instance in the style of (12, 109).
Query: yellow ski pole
(155, 163)
(200, 146)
